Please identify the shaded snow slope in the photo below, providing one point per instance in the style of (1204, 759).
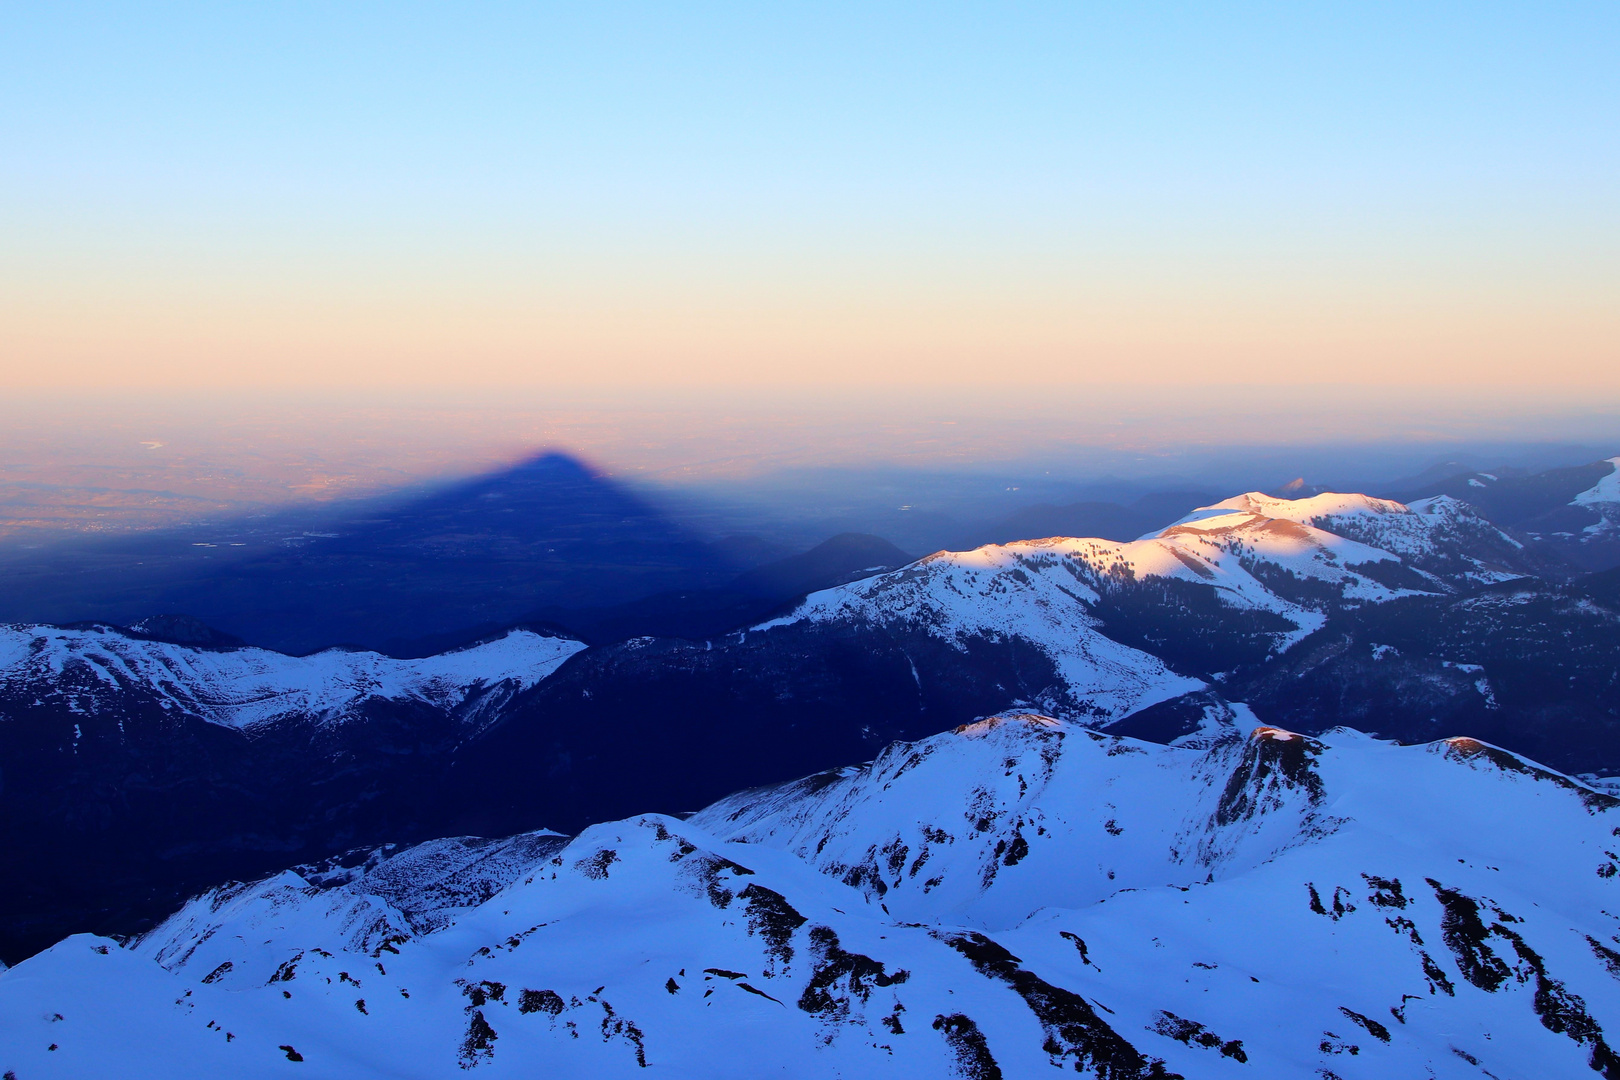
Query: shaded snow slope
(1604, 499)
(1017, 895)
(1577, 516)
(244, 687)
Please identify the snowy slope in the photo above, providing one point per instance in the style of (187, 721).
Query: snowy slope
(1012, 897)
(1571, 513)
(1249, 554)
(1604, 499)
(1444, 537)
(1028, 591)
(1303, 511)
(90, 669)
(965, 590)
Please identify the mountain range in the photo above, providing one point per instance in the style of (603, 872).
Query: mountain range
(165, 767)
(552, 541)
(1412, 674)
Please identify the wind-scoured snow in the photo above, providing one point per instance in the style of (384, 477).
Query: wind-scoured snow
(246, 687)
(1011, 897)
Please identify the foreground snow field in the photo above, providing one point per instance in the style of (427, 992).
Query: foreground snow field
(1017, 897)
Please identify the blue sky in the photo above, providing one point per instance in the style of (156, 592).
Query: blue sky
(726, 195)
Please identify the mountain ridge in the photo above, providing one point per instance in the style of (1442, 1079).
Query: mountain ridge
(1014, 895)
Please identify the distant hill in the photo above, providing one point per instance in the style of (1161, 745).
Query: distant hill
(755, 594)
(1573, 512)
(1512, 500)
(842, 558)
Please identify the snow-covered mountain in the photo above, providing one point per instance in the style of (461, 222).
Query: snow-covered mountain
(1240, 581)
(1444, 538)
(1234, 548)
(1040, 592)
(1017, 895)
(1285, 560)
(101, 669)
(134, 771)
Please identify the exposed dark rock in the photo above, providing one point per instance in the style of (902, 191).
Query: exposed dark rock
(1273, 763)
(840, 976)
(1559, 1010)
(479, 1044)
(772, 918)
(1074, 1032)
(546, 1001)
(969, 1052)
(1373, 1027)
(1191, 1033)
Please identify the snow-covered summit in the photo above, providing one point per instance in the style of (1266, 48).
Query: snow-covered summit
(1304, 511)
(1442, 537)
(87, 669)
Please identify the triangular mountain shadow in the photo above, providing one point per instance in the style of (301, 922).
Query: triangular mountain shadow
(548, 533)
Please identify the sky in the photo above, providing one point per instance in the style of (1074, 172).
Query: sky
(998, 201)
